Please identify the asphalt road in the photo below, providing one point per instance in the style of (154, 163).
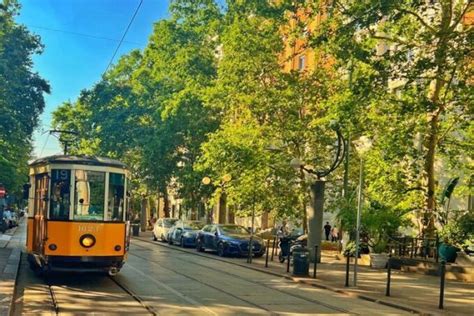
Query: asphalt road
(165, 281)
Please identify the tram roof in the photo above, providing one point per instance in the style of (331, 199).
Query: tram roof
(80, 160)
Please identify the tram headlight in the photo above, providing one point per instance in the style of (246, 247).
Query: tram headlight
(87, 241)
(52, 247)
(118, 248)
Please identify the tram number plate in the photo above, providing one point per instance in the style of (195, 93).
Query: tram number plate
(88, 229)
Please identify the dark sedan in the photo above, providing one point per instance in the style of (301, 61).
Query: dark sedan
(228, 240)
(184, 233)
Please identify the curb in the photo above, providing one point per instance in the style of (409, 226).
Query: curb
(301, 281)
(13, 263)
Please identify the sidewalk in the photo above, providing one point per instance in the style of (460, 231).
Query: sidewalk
(409, 291)
(11, 244)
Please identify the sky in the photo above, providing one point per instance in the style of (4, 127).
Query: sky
(80, 37)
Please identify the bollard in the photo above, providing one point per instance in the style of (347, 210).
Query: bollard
(412, 247)
(315, 261)
(347, 269)
(389, 274)
(441, 288)
(288, 262)
(273, 247)
(266, 257)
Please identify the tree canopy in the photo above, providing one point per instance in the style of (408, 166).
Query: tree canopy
(210, 96)
(21, 96)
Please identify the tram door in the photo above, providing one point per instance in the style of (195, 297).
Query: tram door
(40, 211)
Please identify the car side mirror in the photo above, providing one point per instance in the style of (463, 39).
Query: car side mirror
(216, 234)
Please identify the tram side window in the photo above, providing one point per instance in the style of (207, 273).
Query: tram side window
(60, 194)
(116, 196)
(89, 195)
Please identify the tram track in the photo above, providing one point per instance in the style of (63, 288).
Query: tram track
(52, 295)
(209, 285)
(135, 296)
(313, 301)
(68, 294)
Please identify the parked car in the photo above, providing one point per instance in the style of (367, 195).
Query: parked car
(184, 233)
(228, 239)
(161, 228)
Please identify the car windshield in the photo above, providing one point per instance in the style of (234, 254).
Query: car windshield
(231, 229)
(193, 225)
(169, 222)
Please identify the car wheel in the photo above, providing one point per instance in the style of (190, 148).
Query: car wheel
(162, 238)
(199, 246)
(259, 254)
(170, 241)
(220, 250)
(154, 237)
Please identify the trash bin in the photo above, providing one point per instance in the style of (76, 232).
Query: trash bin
(135, 229)
(300, 261)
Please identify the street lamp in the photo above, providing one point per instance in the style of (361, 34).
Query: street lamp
(224, 180)
(362, 146)
(315, 212)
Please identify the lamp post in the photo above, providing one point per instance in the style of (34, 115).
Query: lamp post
(362, 145)
(221, 184)
(316, 209)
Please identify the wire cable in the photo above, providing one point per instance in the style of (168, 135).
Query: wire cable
(123, 36)
(44, 146)
(80, 34)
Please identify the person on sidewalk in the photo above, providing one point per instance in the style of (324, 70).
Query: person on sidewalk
(334, 234)
(327, 230)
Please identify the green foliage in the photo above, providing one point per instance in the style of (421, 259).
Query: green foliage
(380, 222)
(148, 110)
(208, 97)
(459, 231)
(410, 76)
(21, 96)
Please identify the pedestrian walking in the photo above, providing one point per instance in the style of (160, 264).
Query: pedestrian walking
(334, 234)
(327, 230)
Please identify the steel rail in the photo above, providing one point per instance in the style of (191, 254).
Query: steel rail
(204, 283)
(314, 301)
(134, 296)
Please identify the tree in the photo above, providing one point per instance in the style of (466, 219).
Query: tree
(21, 96)
(411, 70)
(148, 109)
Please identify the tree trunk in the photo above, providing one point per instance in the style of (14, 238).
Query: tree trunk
(166, 204)
(430, 178)
(432, 141)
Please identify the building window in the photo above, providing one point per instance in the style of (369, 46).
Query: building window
(301, 62)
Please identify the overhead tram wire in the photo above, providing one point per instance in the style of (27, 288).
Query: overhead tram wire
(123, 36)
(80, 34)
(44, 146)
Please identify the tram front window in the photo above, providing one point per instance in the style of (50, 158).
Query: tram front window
(89, 195)
(116, 196)
(60, 194)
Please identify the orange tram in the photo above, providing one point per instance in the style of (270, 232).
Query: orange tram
(77, 214)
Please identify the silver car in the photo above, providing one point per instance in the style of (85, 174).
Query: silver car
(161, 228)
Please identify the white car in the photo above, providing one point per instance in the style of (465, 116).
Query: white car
(161, 228)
